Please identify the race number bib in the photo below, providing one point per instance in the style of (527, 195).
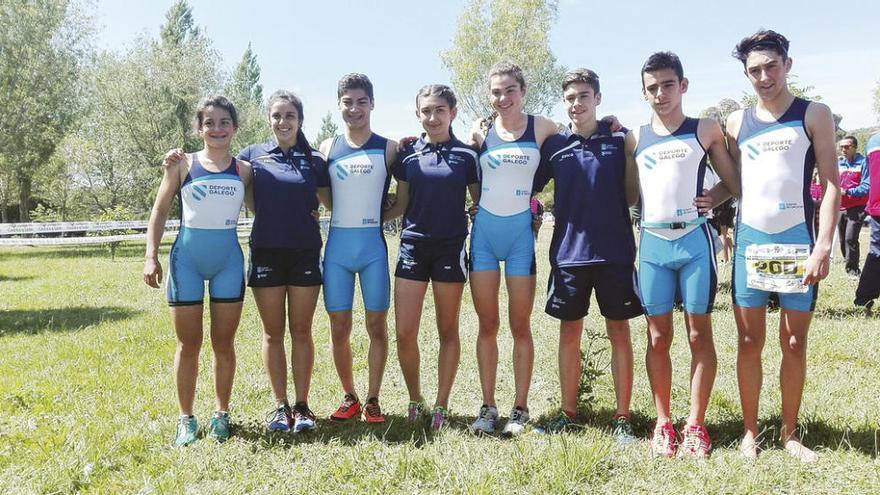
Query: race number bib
(777, 267)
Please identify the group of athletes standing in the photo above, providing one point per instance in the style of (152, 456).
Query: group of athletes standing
(766, 158)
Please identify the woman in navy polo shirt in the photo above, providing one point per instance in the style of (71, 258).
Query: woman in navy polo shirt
(285, 253)
(433, 173)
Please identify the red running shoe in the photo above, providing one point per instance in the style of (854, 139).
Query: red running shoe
(663, 442)
(349, 408)
(372, 412)
(696, 442)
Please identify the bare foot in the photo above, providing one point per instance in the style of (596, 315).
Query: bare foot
(748, 447)
(794, 447)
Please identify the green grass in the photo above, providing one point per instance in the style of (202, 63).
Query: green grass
(87, 403)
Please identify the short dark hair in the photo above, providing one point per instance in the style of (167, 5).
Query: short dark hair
(440, 90)
(508, 68)
(581, 75)
(853, 139)
(218, 101)
(662, 60)
(354, 80)
(764, 39)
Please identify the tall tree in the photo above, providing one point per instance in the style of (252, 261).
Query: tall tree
(328, 130)
(721, 111)
(489, 31)
(43, 48)
(246, 92)
(179, 25)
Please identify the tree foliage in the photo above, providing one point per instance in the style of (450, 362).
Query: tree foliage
(489, 31)
(328, 130)
(877, 101)
(43, 49)
(246, 92)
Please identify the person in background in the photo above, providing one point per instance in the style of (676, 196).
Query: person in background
(852, 166)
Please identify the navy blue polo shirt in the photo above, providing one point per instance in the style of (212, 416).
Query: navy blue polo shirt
(285, 194)
(438, 176)
(592, 216)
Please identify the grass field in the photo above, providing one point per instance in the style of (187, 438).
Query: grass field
(87, 403)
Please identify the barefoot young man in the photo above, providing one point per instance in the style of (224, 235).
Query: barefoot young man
(676, 254)
(594, 172)
(778, 142)
(359, 163)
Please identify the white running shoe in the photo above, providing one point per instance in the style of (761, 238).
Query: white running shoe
(485, 423)
(517, 422)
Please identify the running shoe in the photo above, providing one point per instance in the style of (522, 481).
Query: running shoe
(622, 430)
(416, 410)
(372, 412)
(663, 442)
(558, 424)
(696, 442)
(218, 429)
(350, 408)
(187, 429)
(303, 418)
(280, 419)
(517, 422)
(438, 417)
(485, 423)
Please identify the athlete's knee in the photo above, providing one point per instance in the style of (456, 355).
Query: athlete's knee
(521, 330)
(189, 348)
(570, 335)
(489, 324)
(700, 341)
(377, 327)
(618, 333)
(750, 343)
(659, 341)
(794, 345)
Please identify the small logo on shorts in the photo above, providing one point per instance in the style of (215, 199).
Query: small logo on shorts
(308, 272)
(447, 268)
(628, 303)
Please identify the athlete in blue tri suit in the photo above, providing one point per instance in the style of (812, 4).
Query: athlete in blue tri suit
(676, 254)
(358, 163)
(593, 171)
(211, 187)
(433, 174)
(778, 142)
(502, 231)
(285, 253)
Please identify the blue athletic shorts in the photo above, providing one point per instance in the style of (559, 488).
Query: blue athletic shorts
(353, 251)
(685, 266)
(570, 287)
(509, 239)
(277, 267)
(749, 298)
(440, 261)
(200, 255)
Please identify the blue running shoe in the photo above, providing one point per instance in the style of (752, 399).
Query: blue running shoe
(303, 418)
(218, 429)
(280, 419)
(187, 429)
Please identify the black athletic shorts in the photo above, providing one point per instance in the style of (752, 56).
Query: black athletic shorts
(441, 261)
(569, 290)
(271, 267)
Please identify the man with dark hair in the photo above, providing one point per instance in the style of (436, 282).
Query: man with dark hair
(676, 252)
(853, 198)
(869, 281)
(593, 171)
(359, 162)
(778, 142)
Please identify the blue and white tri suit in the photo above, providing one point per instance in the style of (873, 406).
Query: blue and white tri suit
(432, 242)
(776, 208)
(206, 248)
(502, 229)
(676, 253)
(355, 244)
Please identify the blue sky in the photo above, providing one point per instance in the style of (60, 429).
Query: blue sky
(306, 46)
